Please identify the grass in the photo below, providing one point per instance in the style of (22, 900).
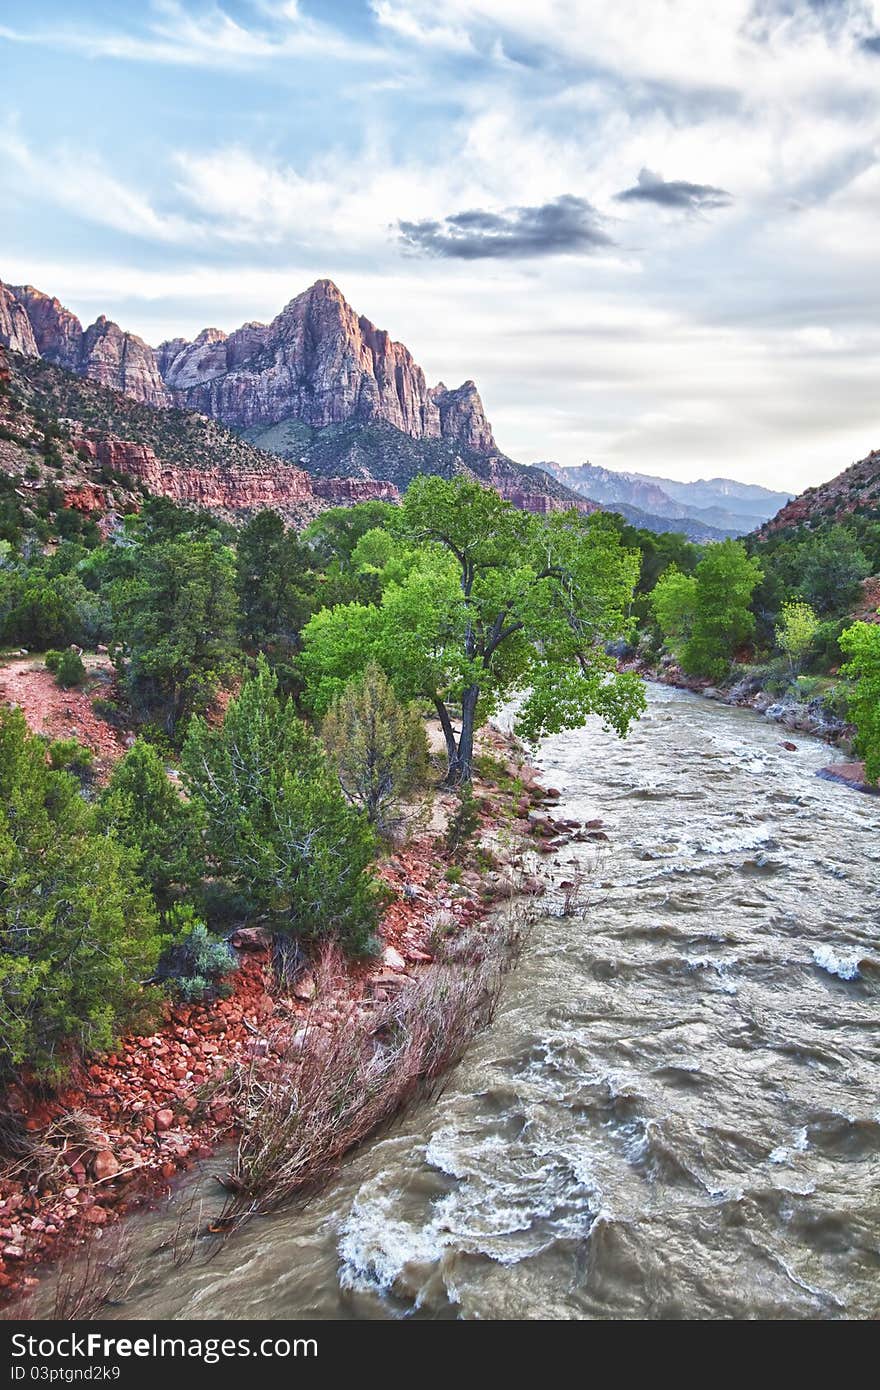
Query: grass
(314, 1097)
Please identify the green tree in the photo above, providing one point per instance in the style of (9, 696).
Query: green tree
(377, 745)
(142, 808)
(861, 643)
(494, 601)
(274, 581)
(706, 616)
(176, 618)
(831, 566)
(795, 632)
(78, 930)
(278, 824)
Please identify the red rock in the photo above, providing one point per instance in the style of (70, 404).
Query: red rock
(105, 1164)
(392, 959)
(163, 1120)
(97, 1216)
(305, 987)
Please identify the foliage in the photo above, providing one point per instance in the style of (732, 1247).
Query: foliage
(68, 755)
(795, 632)
(861, 644)
(278, 825)
(78, 932)
(377, 745)
(705, 616)
(142, 808)
(489, 600)
(195, 964)
(273, 582)
(831, 567)
(67, 667)
(177, 619)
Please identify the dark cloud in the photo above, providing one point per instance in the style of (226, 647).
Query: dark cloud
(692, 197)
(567, 224)
(872, 45)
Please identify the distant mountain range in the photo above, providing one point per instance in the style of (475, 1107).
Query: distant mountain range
(708, 509)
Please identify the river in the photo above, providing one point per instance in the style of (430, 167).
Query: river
(676, 1113)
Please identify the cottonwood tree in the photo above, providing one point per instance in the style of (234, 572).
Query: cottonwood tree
(705, 616)
(795, 631)
(861, 643)
(495, 601)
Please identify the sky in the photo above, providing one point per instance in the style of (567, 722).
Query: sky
(648, 229)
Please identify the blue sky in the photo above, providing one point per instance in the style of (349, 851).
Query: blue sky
(648, 230)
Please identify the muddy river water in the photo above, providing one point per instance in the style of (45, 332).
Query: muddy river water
(676, 1112)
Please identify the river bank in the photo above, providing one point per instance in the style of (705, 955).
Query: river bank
(673, 1112)
(125, 1126)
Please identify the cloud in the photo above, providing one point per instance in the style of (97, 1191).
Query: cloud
(871, 45)
(691, 197)
(564, 226)
(174, 36)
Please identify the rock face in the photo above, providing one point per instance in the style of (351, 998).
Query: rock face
(320, 387)
(57, 332)
(321, 364)
(230, 491)
(121, 361)
(16, 330)
(318, 363)
(33, 323)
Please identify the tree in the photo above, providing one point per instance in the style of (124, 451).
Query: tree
(277, 822)
(831, 566)
(274, 582)
(177, 620)
(706, 616)
(795, 631)
(861, 643)
(494, 601)
(78, 931)
(376, 743)
(145, 812)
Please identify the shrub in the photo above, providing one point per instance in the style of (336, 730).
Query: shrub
(377, 745)
(67, 755)
(146, 813)
(196, 964)
(78, 930)
(67, 668)
(278, 826)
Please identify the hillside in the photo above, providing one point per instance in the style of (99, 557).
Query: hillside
(854, 492)
(101, 448)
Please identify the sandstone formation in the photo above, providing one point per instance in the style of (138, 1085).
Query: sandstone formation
(230, 491)
(38, 326)
(318, 363)
(16, 330)
(321, 364)
(320, 388)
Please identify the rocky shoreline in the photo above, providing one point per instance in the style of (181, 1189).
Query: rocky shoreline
(124, 1126)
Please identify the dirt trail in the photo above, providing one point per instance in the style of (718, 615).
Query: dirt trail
(62, 713)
